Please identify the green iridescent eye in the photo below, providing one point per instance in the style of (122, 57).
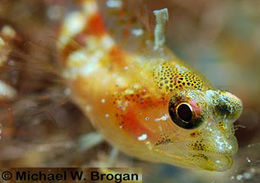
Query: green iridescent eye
(184, 115)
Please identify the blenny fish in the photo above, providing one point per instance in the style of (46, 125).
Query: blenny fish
(145, 101)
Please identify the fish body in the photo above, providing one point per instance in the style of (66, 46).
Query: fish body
(146, 102)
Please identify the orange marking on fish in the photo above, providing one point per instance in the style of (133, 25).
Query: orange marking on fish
(95, 26)
(133, 125)
(118, 56)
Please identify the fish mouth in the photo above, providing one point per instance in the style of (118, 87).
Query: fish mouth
(212, 154)
(213, 161)
(219, 158)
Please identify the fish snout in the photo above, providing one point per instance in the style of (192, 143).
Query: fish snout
(228, 107)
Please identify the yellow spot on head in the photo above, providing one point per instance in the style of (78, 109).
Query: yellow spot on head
(222, 126)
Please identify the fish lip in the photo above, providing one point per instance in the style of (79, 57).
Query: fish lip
(214, 161)
(213, 153)
(229, 154)
(217, 152)
(211, 161)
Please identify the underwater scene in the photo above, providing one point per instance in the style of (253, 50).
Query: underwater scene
(168, 87)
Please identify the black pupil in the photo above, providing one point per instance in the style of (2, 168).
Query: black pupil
(184, 112)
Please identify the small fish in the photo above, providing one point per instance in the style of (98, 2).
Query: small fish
(145, 101)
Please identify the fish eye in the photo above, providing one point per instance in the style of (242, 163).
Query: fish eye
(184, 115)
(184, 112)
